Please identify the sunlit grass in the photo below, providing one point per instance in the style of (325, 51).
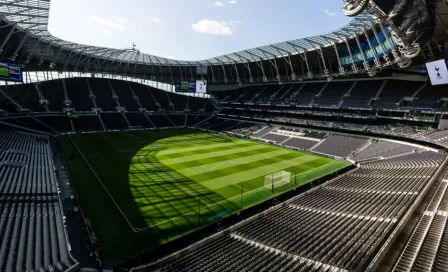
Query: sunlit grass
(171, 182)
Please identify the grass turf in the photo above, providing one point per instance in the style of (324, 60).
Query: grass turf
(168, 183)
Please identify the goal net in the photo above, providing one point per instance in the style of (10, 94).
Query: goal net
(279, 179)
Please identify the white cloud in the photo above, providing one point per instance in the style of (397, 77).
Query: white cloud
(168, 56)
(155, 20)
(329, 13)
(103, 31)
(120, 19)
(234, 22)
(218, 4)
(212, 27)
(233, 2)
(106, 24)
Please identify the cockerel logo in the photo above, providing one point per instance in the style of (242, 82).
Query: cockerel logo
(439, 76)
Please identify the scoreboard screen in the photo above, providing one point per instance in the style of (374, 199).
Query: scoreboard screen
(198, 86)
(185, 87)
(10, 72)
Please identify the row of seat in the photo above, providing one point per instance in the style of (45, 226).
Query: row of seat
(107, 94)
(340, 146)
(32, 231)
(382, 149)
(337, 227)
(361, 94)
(427, 246)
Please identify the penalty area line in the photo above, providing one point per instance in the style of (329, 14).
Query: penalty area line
(189, 192)
(210, 205)
(102, 184)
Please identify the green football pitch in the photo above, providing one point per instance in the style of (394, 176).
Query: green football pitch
(141, 189)
(4, 71)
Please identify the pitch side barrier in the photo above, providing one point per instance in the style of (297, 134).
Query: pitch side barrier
(183, 246)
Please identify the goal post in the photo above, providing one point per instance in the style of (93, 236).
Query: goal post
(277, 179)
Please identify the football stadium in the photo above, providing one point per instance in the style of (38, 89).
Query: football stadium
(327, 152)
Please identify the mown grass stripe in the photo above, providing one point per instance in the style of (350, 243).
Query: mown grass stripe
(200, 147)
(238, 154)
(211, 155)
(254, 172)
(232, 164)
(203, 151)
(242, 168)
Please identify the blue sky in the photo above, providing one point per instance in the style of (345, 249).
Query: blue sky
(192, 29)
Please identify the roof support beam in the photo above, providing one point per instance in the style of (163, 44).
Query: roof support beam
(28, 58)
(68, 59)
(191, 72)
(213, 73)
(318, 47)
(376, 61)
(287, 60)
(386, 58)
(259, 64)
(16, 52)
(369, 70)
(233, 63)
(11, 31)
(180, 68)
(223, 69)
(304, 57)
(273, 63)
(246, 64)
(335, 46)
(355, 68)
(402, 61)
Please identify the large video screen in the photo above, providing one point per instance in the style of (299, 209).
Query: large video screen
(10, 72)
(438, 72)
(201, 86)
(198, 86)
(185, 87)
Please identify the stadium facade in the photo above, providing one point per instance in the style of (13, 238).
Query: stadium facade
(359, 95)
(372, 41)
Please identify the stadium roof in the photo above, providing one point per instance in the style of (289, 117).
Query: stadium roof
(32, 17)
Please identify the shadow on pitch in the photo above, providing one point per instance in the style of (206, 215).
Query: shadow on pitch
(156, 199)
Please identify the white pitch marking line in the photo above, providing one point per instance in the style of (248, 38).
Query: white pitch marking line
(227, 199)
(188, 191)
(101, 182)
(240, 187)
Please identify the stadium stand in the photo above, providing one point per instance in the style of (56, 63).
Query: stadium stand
(300, 143)
(338, 226)
(78, 93)
(86, 94)
(394, 91)
(263, 131)
(62, 123)
(32, 233)
(361, 94)
(430, 98)
(345, 94)
(25, 96)
(86, 123)
(340, 146)
(381, 94)
(333, 93)
(424, 250)
(382, 149)
(275, 138)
